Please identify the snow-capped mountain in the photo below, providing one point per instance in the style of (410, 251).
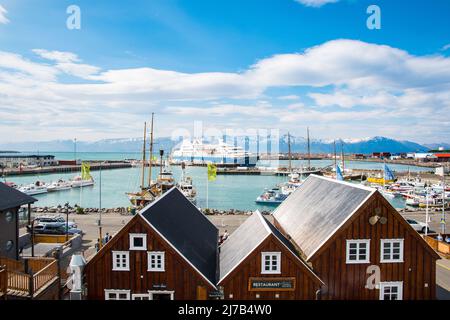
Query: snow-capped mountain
(298, 144)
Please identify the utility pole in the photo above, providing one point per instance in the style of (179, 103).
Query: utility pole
(75, 150)
(100, 244)
(335, 157)
(342, 155)
(290, 157)
(443, 202)
(309, 149)
(151, 155)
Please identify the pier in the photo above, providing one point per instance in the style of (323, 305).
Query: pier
(104, 165)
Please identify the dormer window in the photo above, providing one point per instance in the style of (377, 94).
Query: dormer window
(138, 241)
(270, 262)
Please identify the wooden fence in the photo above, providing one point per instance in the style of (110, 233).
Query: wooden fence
(3, 283)
(42, 271)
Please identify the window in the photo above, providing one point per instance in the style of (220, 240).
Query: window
(138, 241)
(145, 296)
(161, 295)
(117, 294)
(391, 250)
(358, 251)
(155, 261)
(270, 262)
(121, 260)
(391, 290)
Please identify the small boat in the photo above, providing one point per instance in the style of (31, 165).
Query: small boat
(272, 197)
(165, 180)
(34, 189)
(188, 190)
(186, 186)
(79, 182)
(59, 185)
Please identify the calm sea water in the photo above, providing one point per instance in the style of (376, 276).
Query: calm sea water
(227, 192)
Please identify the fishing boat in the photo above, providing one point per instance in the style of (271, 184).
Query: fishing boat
(197, 152)
(34, 189)
(272, 197)
(59, 185)
(186, 186)
(388, 177)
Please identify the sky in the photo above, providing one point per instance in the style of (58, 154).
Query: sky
(228, 64)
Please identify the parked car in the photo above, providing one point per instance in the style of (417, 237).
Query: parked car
(55, 228)
(54, 219)
(418, 226)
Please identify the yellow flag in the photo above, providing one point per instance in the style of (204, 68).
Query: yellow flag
(85, 171)
(212, 171)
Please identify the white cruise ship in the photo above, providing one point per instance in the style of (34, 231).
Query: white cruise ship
(197, 152)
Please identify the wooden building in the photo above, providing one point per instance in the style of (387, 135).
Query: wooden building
(169, 250)
(356, 242)
(22, 277)
(10, 202)
(258, 262)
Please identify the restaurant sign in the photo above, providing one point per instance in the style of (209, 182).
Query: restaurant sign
(271, 284)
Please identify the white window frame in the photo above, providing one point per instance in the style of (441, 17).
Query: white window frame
(391, 241)
(398, 284)
(140, 295)
(152, 292)
(358, 242)
(163, 261)
(121, 268)
(144, 241)
(115, 291)
(263, 259)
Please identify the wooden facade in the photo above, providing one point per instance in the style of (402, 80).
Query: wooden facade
(416, 273)
(236, 285)
(179, 280)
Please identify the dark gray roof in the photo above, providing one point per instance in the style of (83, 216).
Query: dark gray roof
(315, 211)
(245, 239)
(12, 198)
(186, 229)
(241, 243)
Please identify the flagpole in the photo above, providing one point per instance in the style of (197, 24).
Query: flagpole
(426, 213)
(207, 188)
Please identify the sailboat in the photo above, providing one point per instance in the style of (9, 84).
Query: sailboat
(150, 192)
(388, 177)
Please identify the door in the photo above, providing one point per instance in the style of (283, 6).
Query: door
(161, 295)
(201, 293)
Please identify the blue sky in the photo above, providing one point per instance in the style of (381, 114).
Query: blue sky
(247, 64)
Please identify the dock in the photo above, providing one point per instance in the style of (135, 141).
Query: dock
(95, 166)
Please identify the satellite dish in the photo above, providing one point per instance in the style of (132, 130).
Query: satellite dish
(383, 220)
(373, 220)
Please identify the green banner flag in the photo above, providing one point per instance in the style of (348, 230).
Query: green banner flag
(212, 171)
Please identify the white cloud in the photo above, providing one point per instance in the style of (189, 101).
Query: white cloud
(446, 47)
(347, 81)
(315, 3)
(3, 18)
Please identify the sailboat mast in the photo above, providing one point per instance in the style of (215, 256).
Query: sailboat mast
(143, 156)
(342, 155)
(309, 149)
(335, 159)
(290, 155)
(150, 159)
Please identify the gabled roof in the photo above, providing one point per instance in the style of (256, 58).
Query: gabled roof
(317, 209)
(245, 239)
(12, 198)
(187, 230)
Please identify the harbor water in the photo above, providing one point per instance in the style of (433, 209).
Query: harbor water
(226, 192)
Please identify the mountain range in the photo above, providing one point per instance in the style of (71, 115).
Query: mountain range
(298, 144)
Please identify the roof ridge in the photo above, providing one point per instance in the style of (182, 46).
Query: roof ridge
(354, 185)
